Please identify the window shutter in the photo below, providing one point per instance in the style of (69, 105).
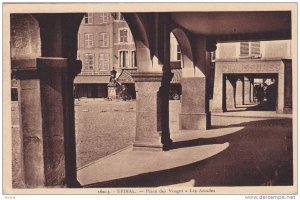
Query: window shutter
(244, 49)
(255, 49)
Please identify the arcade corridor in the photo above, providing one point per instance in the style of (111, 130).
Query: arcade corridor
(232, 154)
(209, 149)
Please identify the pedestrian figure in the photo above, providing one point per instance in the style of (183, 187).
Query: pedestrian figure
(271, 96)
(260, 94)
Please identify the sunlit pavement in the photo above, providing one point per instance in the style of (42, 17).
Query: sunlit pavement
(244, 148)
(237, 151)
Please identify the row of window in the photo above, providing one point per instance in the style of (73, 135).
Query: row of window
(89, 40)
(104, 38)
(103, 61)
(103, 17)
(247, 50)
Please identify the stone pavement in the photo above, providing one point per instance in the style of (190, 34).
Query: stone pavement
(237, 151)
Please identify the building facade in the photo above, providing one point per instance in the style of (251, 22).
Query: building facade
(176, 66)
(48, 147)
(240, 66)
(104, 43)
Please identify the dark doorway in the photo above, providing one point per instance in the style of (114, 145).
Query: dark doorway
(250, 92)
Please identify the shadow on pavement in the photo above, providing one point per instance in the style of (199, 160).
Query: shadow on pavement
(264, 106)
(259, 154)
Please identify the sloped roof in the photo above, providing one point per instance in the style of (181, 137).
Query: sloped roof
(125, 76)
(92, 79)
(177, 75)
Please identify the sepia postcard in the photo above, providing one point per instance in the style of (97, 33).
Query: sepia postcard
(150, 98)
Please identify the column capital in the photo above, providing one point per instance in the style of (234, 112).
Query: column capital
(24, 69)
(147, 76)
(56, 64)
(32, 68)
(211, 45)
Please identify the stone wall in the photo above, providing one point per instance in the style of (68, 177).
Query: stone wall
(25, 44)
(25, 37)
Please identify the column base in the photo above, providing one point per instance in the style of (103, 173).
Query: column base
(164, 145)
(194, 121)
(217, 110)
(147, 146)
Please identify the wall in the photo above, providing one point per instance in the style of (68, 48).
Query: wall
(173, 48)
(269, 49)
(277, 49)
(25, 37)
(96, 28)
(25, 44)
(227, 50)
(130, 46)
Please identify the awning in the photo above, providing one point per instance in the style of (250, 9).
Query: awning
(88, 79)
(125, 76)
(177, 75)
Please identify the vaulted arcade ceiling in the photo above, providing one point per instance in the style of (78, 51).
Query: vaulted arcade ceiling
(223, 26)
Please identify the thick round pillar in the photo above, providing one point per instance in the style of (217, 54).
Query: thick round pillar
(57, 75)
(219, 98)
(32, 161)
(280, 92)
(251, 91)
(239, 93)
(230, 104)
(288, 86)
(247, 91)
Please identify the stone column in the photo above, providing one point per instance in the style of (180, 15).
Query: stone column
(195, 113)
(148, 111)
(280, 86)
(251, 91)
(230, 90)
(57, 75)
(239, 92)
(219, 98)
(152, 90)
(247, 90)
(288, 86)
(32, 160)
(47, 121)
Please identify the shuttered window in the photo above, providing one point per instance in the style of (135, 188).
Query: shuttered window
(88, 40)
(244, 49)
(255, 49)
(103, 40)
(133, 59)
(88, 18)
(123, 58)
(103, 62)
(104, 18)
(123, 35)
(250, 50)
(88, 61)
